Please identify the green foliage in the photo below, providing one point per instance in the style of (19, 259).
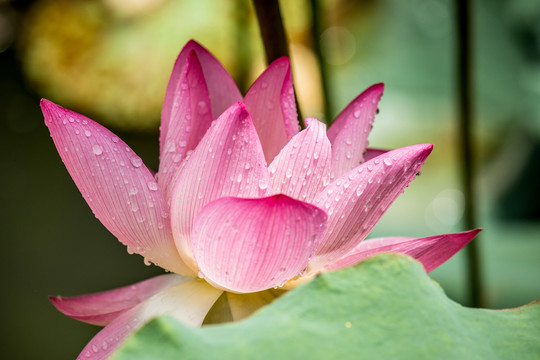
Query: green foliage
(384, 308)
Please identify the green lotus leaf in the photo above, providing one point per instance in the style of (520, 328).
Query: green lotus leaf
(384, 308)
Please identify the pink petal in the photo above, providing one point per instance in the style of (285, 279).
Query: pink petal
(228, 162)
(243, 305)
(188, 302)
(432, 251)
(102, 308)
(184, 122)
(117, 186)
(356, 201)
(221, 87)
(270, 101)
(349, 132)
(373, 153)
(249, 245)
(302, 168)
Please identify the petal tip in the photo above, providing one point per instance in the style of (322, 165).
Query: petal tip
(378, 86)
(423, 150)
(47, 105)
(239, 109)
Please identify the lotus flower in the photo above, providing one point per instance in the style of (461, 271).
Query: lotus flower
(216, 216)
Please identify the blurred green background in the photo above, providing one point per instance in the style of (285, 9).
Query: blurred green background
(110, 60)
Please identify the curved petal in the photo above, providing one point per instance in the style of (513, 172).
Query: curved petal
(117, 186)
(356, 201)
(184, 122)
(243, 305)
(228, 162)
(249, 245)
(349, 132)
(432, 251)
(271, 103)
(302, 168)
(188, 302)
(222, 90)
(102, 308)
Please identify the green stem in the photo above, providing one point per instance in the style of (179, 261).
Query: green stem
(316, 32)
(465, 93)
(273, 36)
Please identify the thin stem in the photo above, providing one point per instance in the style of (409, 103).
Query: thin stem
(273, 36)
(466, 101)
(243, 48)
(316, 32)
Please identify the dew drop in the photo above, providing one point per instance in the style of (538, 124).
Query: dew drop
(114, 139)
(288, 173)
(136, 161)
(263, 184)
(152, 185)
(88, 133)
(97, 149)
(388, 161)
(357, 114)
(202, 107)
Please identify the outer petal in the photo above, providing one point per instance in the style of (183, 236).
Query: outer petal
(302, 168)
(228, 162)
(184, 122)
(270, 101)
(117, 186)
(356, 201)
(349, 132)
(188, 302)
(249, 245)
(243, 305)
(102, 308)
(431, 251)
(221, 87)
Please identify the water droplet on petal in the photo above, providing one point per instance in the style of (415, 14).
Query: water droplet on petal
(97, 149)
(202, 107)
(263, 184)
(88, 133)
(288, 173)
(136, 161)
(152, 185)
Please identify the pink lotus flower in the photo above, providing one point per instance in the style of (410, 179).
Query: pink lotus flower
(214, 208)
